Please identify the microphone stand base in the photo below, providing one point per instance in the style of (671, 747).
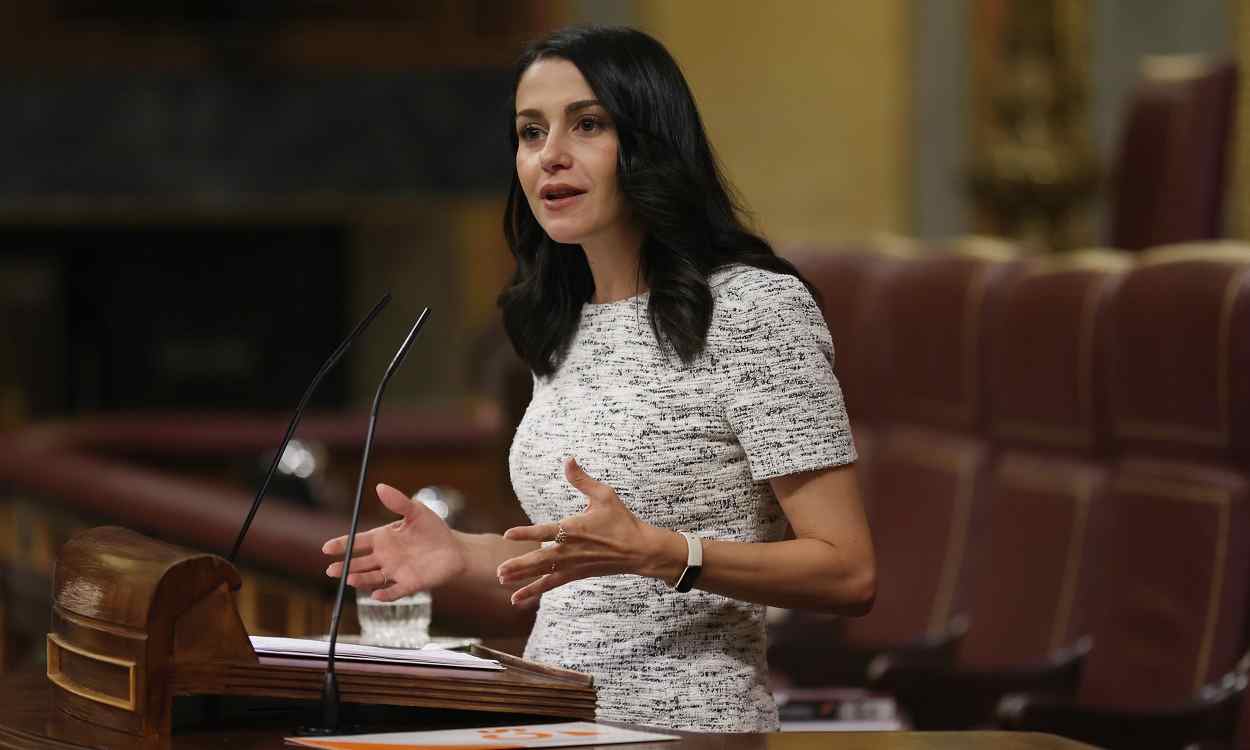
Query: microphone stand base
(326, 721)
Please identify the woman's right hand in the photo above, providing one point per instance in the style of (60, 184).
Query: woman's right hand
(416, 553)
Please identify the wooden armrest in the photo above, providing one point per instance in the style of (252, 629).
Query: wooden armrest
(186, 512)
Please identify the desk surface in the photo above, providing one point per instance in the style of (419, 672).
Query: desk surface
(27, 723)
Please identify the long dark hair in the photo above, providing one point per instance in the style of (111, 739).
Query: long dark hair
(673, 184)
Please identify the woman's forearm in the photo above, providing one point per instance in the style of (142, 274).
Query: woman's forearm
(796, 574)
(829, 567)
(476, 602)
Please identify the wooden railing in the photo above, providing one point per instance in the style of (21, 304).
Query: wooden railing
(58, 479)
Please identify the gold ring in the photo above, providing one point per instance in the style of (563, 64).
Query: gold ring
(562, 536)
(553, 567)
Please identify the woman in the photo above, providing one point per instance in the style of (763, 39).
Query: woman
(683, 382)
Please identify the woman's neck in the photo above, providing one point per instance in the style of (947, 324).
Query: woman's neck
(615, 264)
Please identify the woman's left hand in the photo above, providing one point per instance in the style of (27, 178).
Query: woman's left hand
(605, 540)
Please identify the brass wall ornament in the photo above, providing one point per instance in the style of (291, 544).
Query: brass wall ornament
(1033, 170)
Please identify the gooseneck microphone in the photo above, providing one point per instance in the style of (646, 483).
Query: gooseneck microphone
(299, 412)
(329, 688)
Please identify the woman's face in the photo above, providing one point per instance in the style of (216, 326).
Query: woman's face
(566, 156)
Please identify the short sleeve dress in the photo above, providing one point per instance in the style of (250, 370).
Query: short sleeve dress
(686, 447)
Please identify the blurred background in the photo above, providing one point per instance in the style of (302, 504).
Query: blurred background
(198, 199)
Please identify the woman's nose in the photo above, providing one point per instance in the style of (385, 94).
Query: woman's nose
(554, 154)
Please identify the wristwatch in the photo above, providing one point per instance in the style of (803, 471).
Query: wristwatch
(694, 563)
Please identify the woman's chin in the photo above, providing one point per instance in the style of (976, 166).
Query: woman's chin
(564, 235)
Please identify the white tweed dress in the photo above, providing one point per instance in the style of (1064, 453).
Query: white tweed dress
(686, 448)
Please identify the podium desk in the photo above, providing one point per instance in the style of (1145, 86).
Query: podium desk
(28, 722)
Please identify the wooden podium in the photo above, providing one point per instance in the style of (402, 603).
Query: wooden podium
(136, 622)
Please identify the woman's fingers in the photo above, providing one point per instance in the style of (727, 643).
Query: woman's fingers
(395, 590)
(394, 500)
(527, 596)
(362, 564)
(593, 489)
(420, 546)
(530, 564)
(338, 545)
(567, 570)
(539, 532)
(548, 560)
(369, 580)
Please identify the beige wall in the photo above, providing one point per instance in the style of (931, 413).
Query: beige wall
(1238, 214)
(807, 103)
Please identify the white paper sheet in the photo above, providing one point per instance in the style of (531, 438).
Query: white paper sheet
(567, 734)
(272, 646)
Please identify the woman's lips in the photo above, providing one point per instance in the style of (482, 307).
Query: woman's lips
(559, 204)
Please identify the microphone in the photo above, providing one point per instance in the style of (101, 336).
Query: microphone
(299, 412)
(330, 688)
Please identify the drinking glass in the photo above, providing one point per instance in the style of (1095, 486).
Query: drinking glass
(403, 623)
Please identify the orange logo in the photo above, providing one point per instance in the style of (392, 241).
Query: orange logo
(513, 733)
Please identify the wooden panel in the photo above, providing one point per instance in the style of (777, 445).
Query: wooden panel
(4, 632)
(148, 34)
(8, 530)
(96, 677)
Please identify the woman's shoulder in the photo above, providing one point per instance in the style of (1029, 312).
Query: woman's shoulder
(743, 288)
(754, 304)
(761, 314)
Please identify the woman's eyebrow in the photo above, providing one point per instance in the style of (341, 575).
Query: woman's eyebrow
(572, 107)
(582, 104)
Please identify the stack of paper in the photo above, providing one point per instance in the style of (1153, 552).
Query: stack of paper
(272, 646)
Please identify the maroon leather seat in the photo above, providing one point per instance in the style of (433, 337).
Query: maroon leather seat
(1050, 433)
(1179, 357)
(927, 468)
(1170, 176)
(1049, 424)
(1168, 579)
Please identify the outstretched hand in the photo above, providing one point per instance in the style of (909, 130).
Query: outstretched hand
(607, 539)
(416, 553)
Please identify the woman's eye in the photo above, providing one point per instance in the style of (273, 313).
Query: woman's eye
(588, 125)
(531, 132)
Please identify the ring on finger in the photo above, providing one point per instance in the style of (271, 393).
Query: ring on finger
(553, 567)
(562, 536)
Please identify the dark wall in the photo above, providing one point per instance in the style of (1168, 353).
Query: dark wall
(219, 142)
(186, 317)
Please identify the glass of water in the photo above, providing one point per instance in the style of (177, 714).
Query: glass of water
(403, 623)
